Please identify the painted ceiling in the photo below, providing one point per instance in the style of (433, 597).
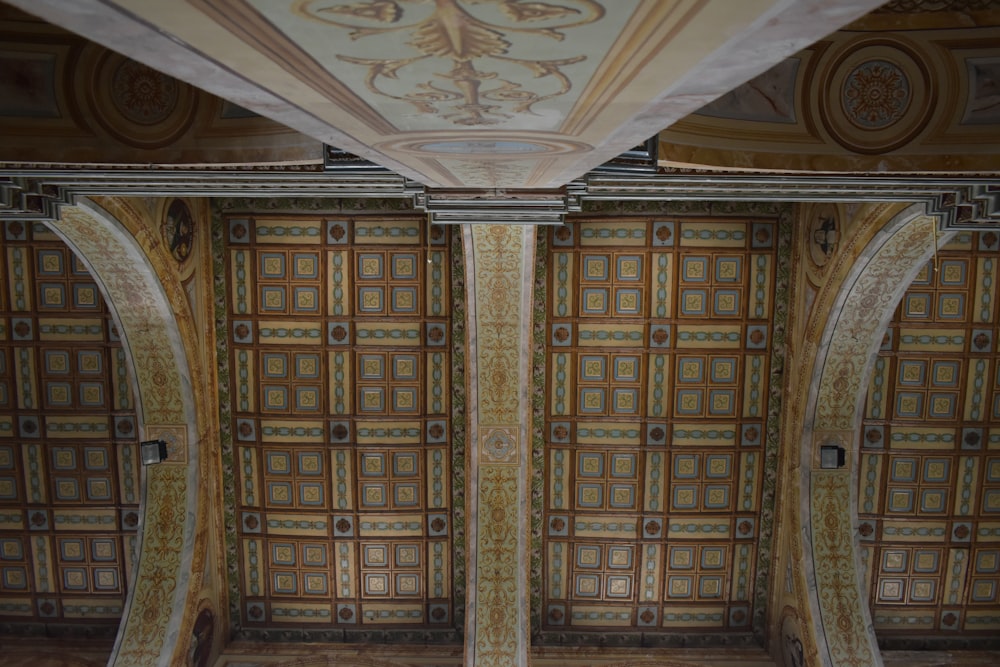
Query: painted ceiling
(69, 466)
(660, 424)
(343, 396)
(653, 444)
(498, 94)
(342, 415)
(655, 440)
(893, 91)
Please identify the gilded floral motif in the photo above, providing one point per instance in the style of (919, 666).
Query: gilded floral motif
(847, 359)
(497, 584)
(849, 642)
(160, 565)
(499, 280)
(136, 306)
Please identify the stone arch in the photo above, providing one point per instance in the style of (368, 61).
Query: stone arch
(122, 253)
(861, 309)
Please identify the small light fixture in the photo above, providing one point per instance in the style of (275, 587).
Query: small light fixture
(832, 456)
(152, 451)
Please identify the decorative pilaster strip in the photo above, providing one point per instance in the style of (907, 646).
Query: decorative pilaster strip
(837, 576)
(499, 270)
(435, 288)
(241, 288)
(19, 291)
(160, 569)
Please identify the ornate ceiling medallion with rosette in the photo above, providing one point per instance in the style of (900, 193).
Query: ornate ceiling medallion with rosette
(875, 96)
(136, 104)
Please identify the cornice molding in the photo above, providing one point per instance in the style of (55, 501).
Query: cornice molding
(37, 192)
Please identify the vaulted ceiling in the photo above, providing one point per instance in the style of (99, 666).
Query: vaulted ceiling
(658, 351)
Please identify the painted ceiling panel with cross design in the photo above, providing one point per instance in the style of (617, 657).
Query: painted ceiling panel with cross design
(69, 464)
(659, 425)
(341, 408)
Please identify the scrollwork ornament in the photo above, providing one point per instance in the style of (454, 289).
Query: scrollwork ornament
(476, 38)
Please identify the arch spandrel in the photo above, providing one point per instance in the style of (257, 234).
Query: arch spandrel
(121, 252)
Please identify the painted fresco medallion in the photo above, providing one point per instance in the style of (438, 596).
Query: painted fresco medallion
(178, 229)
(823, 234)
(792, 650)
(875, 96)
(201, 639)
(141, 94)
(500, 445)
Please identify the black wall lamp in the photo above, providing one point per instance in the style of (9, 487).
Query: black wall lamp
(832, 456)
(152, 451)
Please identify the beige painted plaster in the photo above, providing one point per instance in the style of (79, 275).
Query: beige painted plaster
(125, 253)
(852, 309)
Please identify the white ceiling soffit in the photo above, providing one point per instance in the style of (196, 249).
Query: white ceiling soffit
(499, 94)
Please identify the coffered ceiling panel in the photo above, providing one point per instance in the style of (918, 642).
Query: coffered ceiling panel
(69, 466)
(929, 484)
(661, 426)
(341, 407)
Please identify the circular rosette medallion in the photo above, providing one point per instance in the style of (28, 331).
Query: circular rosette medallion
(138, 105)
(875, 96)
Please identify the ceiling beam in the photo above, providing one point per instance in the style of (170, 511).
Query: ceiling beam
(456, 94)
